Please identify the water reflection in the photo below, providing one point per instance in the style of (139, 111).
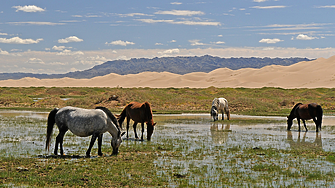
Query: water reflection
(303, 144)
(220, 132)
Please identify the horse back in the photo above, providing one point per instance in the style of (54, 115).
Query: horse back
(139, 112)
(82, 122)
(307, 111)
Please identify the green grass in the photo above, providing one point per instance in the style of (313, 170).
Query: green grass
(261, 101)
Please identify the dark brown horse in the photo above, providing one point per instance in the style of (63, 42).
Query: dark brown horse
(139, 113)
(306, 112)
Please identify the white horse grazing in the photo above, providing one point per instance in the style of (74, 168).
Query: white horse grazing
(84, 122)
(220, 105)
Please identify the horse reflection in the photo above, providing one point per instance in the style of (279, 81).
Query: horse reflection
(302, 144)
(220, 132)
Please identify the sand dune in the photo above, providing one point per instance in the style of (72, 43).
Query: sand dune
(310, 74)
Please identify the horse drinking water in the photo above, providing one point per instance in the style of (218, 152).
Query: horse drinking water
(139, 113)
(220, 105)
(83, 123)
(306, 112)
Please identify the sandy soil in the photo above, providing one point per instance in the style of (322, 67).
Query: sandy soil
(311, 74)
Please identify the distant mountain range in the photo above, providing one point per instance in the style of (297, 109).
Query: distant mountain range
(177, 65)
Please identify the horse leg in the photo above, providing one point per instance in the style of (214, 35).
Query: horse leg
(298, 119)
(94, 137)
(99, 144)
(128, 120)
(316, 123)
(222, 115)
(134, 126)
(142, 125)
(304, 124)
(59, 140)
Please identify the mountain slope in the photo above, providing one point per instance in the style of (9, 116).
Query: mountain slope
(177, 65)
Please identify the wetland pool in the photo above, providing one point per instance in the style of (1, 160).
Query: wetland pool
(248, 151)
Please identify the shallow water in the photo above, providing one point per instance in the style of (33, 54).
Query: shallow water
(209, 153)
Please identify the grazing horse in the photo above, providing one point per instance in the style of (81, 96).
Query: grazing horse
(139, 113)
(83, 123)
(220, 105)
(306, 112)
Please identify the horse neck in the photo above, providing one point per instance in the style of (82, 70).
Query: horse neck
(113, 130)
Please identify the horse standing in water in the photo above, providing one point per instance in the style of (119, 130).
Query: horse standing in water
(139, 113)
(220, 105)
(306, 112)
(83, 123)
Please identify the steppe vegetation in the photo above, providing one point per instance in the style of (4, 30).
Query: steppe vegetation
(185, 152)
(262, 101)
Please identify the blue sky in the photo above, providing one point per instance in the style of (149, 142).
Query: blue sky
(63, 36)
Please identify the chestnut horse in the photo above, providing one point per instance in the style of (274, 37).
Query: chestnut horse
(139, 113)
(306, 112)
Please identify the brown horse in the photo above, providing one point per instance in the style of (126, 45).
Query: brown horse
(139, 113)
(306, 112)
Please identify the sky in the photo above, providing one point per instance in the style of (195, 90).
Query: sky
(65, 36)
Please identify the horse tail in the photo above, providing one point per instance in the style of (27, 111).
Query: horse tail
(227, 109)
(122, 116)
(319, 115)
(148, 110)
(109, 114)
(51, 123)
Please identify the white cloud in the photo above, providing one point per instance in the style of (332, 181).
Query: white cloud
(133, 14)
(196, 43)
(35, 61)
(3, 34)
(170, 51)
(204, 23)
(18, 40)
(259, 1)
(176, 3)
(268, 7)
(35, 23)
(28, 8)
(305, 37)
(92, 60)
(327, 6)
(70, 53)
(270, 41)
(120, 42)
(181, 12)
(70, 39)
(157, 44)
(2, 52)
(218, 42)
(172, 41)
(58, 48)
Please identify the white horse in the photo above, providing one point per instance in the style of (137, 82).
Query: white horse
(83, 123)
(220, 105)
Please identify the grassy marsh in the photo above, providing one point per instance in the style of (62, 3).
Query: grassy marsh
(185, 151)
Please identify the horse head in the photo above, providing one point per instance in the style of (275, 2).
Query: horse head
(289, 122)
(214, 113)
(150, 129)
(116, 142)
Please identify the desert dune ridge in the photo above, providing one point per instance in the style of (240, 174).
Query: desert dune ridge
(319, 73)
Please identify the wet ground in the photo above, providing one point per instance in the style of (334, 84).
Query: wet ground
(209, 153)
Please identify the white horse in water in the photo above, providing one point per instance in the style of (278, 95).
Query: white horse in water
(220, 105)
(83, 123)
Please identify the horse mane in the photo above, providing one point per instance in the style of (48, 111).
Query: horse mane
(110, 115)
(294, 108)
(148, 110)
